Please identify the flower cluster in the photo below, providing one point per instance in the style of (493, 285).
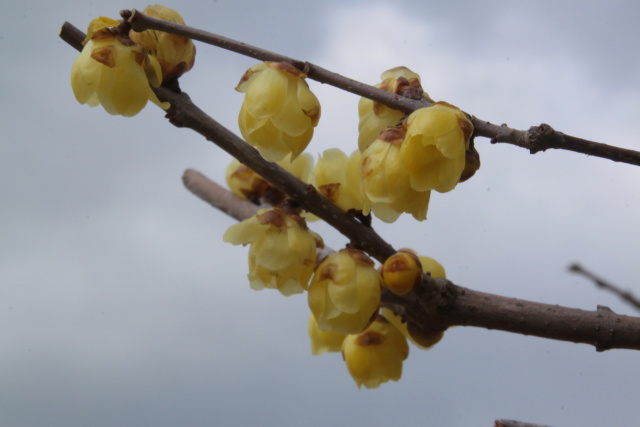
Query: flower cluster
(117, 68)
(400, 160)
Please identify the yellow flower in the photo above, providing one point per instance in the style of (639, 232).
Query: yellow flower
(374, 116)
(435, 146)
(324, 341)
(338, 178)
(114, 71)
(385, 179)
(375, 356)
(402, 271)
(176, 54)
(245, 183)
(282, 254)
(345, 292)
(279, 111)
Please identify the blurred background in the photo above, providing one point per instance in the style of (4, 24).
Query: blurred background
(121, 305)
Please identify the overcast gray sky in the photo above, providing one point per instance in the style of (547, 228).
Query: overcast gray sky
(121, 306)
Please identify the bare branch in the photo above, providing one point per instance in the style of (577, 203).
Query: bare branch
(536, 139)
(625, 295)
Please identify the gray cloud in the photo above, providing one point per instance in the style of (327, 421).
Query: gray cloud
(120, 305)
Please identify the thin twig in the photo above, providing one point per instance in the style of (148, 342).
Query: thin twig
(624, 295)
(536, 139)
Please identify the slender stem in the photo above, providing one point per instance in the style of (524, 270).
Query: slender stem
(536, 139)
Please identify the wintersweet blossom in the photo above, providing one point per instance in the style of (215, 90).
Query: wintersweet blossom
(338, 178)
(176, 54)
(279, 111)
(376, 355)
(115, 72)
(402, 271)
(435, 145)
(386, 181)
(374, 116)
(345, 292)
(282, 253)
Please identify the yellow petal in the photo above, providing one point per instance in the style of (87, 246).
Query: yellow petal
(266, 93)
(244, 232)
(85, 76)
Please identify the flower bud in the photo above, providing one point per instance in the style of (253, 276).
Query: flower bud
(402, 271)
(324, 341)
(279, 111)
(374, 116)
(345, 292)
(386, 180)
(115, 72)
(375, 356)
(437, 138)
(176, 54)
(338, 178)
(282, 253)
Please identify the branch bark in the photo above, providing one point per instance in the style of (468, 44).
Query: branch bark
(536, 139)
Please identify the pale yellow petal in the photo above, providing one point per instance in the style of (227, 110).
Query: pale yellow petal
(266, 93)
(244, 232)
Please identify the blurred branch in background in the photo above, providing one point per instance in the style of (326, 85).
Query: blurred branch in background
(626, 296)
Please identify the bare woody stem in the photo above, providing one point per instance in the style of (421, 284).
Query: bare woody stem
(437, 303)
(536, 139)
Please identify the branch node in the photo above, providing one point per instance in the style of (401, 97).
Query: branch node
(543, 137)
